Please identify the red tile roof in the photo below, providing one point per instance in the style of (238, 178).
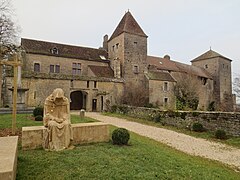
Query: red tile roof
(169, 65)
(102, 71)
(129, 25)
(160, 75)
(69, 51)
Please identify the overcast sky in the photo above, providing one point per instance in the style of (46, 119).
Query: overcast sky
(183, 29)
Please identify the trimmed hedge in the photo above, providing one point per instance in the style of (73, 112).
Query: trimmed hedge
(38, 111)
(120, 136)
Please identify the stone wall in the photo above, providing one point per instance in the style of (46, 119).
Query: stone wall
(230, 122)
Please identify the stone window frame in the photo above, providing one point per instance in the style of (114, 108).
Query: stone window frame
(87, 84)
(95, 84)
(165, 86)
(76, 68)
(36, 66)
(57, 68)
(135, 69)
(54, 50)
(51, 68)
(165, 101)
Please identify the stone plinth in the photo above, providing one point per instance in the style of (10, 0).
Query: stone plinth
(32, 137)
(8, 157)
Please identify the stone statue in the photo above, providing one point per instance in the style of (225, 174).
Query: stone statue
(57, 120)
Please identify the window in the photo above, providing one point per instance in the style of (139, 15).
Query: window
(135, 69)
(165, 101)
(87, 84)
(54, 50)
(57, 69)
(223, 66)
(117, 45)
(36, 67)
(51, 68)
(165, 86)
(206, 66)
(135, 43)
(113, 48)
(95, 84)
(76, 68)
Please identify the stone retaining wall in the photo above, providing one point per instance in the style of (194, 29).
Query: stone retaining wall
(228, 121)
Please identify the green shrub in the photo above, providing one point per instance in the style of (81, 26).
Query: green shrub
(195, 114)
(123, 109)
(38, 118)
(38, 111)
(120, 136)
(157, 118)
(197, 127)
(113, 109)
(220, 134)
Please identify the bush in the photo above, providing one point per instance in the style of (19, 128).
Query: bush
(120, 136)
(38, 111)
(157, 118)
(197, 127)
(220, 134)
(113, 109)
(38, 118)
(211, 106)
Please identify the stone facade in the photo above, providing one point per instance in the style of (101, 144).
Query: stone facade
(94, 79)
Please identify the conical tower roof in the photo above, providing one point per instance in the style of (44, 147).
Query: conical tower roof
(208, 55)
(129, 25)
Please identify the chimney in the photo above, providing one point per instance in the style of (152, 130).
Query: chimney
(167, 57)
(105, 42)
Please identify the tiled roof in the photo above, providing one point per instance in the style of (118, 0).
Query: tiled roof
(169, 65)
(193, 70)
(102, 71)
(160, 75)
(162, 63)
(129, 25)
(208, 55)
(63, 50)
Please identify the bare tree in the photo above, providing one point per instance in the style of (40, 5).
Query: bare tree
(236, 86)
(187, 92)
(135, 95)
(8, 29)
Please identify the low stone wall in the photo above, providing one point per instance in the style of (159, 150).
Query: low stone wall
(227, 121)
(8, 157)
(32, 136)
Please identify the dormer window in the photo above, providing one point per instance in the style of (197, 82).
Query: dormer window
(54, 50)
(102, 57)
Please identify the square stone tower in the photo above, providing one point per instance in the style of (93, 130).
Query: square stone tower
(220, 69)
(127, 50)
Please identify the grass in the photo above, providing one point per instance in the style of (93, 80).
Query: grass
(233, 141)
(27, 120)
(142, 159)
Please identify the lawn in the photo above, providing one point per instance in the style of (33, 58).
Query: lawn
(233, 141)
(142, 159)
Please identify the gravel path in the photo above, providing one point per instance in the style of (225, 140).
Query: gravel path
(188, 144)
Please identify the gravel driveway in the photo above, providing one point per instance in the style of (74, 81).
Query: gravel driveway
(188, 144)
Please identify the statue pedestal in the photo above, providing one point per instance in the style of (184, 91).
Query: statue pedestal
(20, 97)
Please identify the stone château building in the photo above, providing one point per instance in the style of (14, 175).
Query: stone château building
(96, 78)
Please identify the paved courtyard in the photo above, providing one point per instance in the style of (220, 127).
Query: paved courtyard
(188, 144)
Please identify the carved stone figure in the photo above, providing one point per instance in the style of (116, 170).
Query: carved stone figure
(57, 120)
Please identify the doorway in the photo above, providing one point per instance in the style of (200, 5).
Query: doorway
(94, 105)
(78, 100)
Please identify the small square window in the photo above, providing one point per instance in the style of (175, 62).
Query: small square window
(135, 69)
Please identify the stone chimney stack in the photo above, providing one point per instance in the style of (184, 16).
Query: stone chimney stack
(105, 42)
